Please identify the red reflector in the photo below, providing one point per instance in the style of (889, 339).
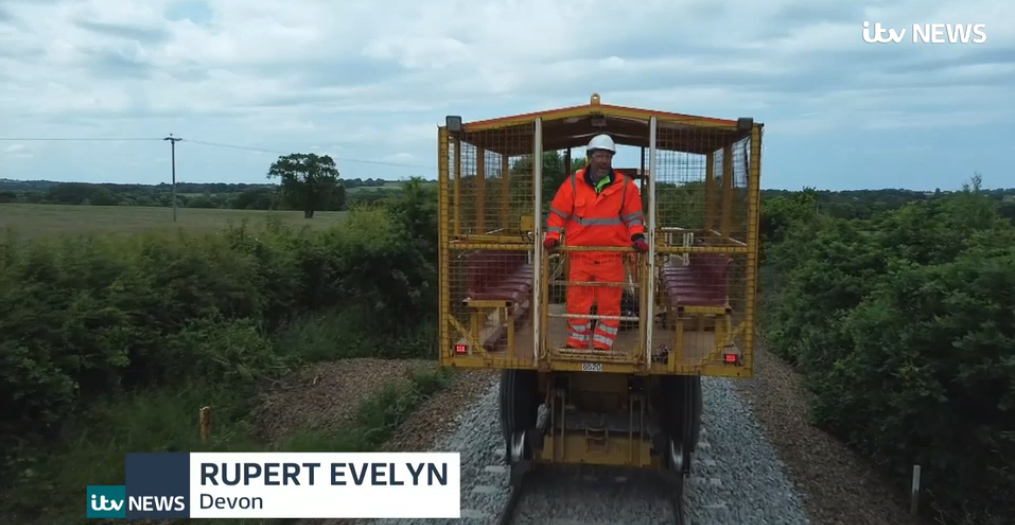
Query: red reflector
(730, 358)
(461, 349)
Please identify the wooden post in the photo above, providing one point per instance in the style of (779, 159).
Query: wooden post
(914, 501)
(205, 422)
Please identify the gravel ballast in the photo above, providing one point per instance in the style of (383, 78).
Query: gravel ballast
(838, 486)
(737, 477)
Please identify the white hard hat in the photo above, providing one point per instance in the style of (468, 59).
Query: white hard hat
(603, 141)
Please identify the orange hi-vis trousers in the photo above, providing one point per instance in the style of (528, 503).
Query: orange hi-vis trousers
(599, 267)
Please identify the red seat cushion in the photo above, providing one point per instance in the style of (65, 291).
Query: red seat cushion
(509, 292)
(702, 283)
(501, 275)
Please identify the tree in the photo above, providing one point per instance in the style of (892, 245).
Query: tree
(309, 181)
(553, 169)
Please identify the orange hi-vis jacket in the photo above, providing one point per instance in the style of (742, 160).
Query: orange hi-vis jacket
(611, 217)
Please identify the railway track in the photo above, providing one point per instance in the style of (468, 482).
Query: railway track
(589, 480)
(556, 488)
(735, 478)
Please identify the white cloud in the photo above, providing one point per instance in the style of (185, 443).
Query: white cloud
(372, 81)
(401, 158)
(17, 151)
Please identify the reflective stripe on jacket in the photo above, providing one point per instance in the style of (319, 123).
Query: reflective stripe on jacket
(609, 218)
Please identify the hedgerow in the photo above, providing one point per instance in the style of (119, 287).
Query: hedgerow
(903, 326)
(86, 319)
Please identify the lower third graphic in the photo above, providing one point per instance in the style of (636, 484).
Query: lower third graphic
(107, 501)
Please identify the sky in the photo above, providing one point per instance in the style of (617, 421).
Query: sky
(368, 82)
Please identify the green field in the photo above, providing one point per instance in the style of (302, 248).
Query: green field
(391, 186)
(43, 220)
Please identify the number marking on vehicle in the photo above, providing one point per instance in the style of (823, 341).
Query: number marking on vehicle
(592, 367)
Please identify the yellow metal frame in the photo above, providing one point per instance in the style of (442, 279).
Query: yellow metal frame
(451, 240)
(597, 445)
(606, 110)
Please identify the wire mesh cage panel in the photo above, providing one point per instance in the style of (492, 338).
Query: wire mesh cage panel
(491, 182)
(702, 190)
(705, 241)
(489, 273)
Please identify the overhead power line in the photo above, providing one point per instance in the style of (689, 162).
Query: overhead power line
(72, 139)
(342, 158)
(209, 144)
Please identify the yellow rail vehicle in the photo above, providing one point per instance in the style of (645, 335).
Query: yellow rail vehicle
(688, 304)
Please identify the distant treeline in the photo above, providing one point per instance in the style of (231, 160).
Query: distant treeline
(181, 187)
(865, 204)
(850, 204)
(188, 194)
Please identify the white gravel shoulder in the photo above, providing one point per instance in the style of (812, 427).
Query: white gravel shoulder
(736, 478)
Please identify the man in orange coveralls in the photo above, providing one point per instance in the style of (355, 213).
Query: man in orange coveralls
(596, 207)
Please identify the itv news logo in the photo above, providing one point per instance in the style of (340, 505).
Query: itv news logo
(111, 501)
(877, 33)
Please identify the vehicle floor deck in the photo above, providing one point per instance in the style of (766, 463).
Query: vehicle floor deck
(696, 344)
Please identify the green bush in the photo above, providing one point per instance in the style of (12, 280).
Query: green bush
(86, 318)
(903, 326)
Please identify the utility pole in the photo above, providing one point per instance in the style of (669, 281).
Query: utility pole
(172, 147)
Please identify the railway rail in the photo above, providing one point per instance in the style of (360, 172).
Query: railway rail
(522, 475)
